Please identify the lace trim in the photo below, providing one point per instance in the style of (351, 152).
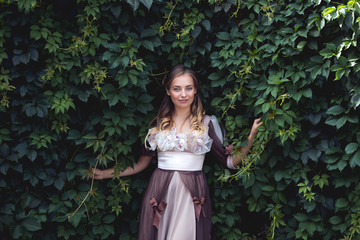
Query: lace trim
(172, 141)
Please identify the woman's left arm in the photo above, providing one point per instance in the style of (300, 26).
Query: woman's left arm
(245, 149)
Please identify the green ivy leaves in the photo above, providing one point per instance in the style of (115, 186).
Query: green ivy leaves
(80, 90)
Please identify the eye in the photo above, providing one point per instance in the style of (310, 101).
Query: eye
(176, 89)
(189, 88)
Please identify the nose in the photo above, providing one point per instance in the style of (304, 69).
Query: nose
(183, 93)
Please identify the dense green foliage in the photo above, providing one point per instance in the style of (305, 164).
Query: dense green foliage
(79, 81)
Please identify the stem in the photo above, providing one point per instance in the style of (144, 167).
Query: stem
(237, 10)
(273, 228)
(87, 195)
(231, 102)
(168, 19)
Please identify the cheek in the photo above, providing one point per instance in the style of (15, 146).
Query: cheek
(173, 94)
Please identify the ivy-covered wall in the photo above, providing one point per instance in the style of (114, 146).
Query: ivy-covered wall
(80, 80)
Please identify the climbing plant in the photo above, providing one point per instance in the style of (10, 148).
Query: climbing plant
(80, 81)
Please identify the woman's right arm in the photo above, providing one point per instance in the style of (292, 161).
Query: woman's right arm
(143, 163)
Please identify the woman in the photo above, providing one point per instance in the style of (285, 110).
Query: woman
(176, 203)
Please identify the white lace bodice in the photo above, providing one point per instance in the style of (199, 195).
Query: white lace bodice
(179, 142)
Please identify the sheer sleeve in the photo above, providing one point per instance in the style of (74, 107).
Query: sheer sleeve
(145, 151)
(217, 146)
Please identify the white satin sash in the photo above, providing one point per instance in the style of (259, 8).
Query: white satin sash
(182, 161)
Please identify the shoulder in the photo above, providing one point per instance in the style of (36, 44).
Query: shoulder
(210, 120)
(206, 120)
(216, 128)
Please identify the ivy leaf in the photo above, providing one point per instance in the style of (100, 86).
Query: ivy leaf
(334, 220)
(314, 154)
(335, 110)
(206, 24)
(116, 10)
(310, 228)
(307, 92)
(195, 33)
(327, 53)
(59, 183)
(147, 3)
(134, 4)
(32, 154)
(341, 121)
(148, 45)
(265, 107)
(149, 32)
(216, 101)
(34, 54)
(223, 36)
(355, 160)
(351, 148)
(256, 191)
(124, 61)
(31, 224)
(109, 219)
(21, 149)
(339, 73)
(355, 100)
(75, 219)
(301, 217)
(229, 221)
(341, 203)
(18, 231)
(301, 45)
(349, 19)
(268, 188)
(331, 121)
(74, 134)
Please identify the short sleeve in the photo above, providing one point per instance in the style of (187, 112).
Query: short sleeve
(146, 151)
(217, 147)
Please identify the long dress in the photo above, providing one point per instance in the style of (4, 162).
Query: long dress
(176, 204)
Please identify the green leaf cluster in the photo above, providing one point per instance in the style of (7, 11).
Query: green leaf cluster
(80, 81)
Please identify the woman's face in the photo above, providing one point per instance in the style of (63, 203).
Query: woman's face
(182, 91)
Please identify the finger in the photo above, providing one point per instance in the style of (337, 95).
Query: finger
(229, 149)
(259, 122)
(93, 173)
(256, 125)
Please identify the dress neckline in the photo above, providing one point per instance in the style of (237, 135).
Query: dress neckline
(172, 141)
(173, 129)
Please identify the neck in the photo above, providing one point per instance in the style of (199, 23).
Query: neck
(181, 113)
(179, 117)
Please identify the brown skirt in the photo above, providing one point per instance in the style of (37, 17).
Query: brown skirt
(174, 201)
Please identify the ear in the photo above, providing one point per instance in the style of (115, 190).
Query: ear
(167, 92)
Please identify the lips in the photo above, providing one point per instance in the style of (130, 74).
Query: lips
(183, 101)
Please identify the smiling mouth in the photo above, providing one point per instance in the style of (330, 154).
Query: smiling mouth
(183, 101)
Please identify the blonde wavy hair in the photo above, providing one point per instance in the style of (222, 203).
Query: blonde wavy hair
(163, 120)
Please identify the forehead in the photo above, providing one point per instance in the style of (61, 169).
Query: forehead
(182, 80)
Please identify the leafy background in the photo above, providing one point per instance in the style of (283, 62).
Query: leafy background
(79, 81)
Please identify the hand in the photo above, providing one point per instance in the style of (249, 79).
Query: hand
(254, 128)
(96, 173)
(229, 149)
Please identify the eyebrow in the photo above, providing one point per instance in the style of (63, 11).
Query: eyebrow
(185, 86)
